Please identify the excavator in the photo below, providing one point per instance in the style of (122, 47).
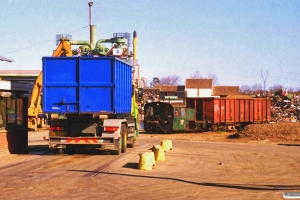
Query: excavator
(36, 118)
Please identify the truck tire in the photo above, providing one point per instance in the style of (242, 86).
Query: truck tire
(121, 144)
(41, 123)
(124, 138)
(34, 127)
(117, 150)
(55, 151)
(131, 142)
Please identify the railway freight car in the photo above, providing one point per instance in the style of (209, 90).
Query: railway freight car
(203, 114)
(229, 113)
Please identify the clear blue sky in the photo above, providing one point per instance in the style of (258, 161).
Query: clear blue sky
(236, 40)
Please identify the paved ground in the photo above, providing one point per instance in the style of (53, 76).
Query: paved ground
(200, 166)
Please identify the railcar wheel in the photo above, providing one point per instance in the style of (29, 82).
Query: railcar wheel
(167, 128)
(215, 128)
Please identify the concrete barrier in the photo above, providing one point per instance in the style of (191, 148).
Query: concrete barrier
(159, 152)
(166, 145)
(147, 160)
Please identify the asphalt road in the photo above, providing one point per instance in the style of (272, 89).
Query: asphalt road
(192, 170)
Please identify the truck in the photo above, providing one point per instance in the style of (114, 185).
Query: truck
(91, 103)
(89, 94)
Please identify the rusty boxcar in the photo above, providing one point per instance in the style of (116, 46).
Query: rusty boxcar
(206, 113)
(224, 113)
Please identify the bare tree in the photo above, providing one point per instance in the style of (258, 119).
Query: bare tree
(145, 82)
(213, 77)
(275, 88)
(196, 74)
(297, 91)
(170, 80)
(155, 81)
(245, 89)
(256, 88)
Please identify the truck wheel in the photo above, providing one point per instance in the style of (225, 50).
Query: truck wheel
(131, 142)
(61, 151)
(117, 151)
(124, 138)
(34, 127)
(55, 151)
(42, 123)
(121, 144)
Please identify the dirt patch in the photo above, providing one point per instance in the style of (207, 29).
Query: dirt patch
(275, 132)
(288, 132)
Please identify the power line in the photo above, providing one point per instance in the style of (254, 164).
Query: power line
(41, 42)
(264, 79)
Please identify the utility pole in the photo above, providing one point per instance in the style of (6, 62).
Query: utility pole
(264, 79)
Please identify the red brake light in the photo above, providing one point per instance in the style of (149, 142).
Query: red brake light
(56, 128)
(110, 129)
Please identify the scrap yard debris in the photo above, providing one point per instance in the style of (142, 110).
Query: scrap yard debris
(285, 107)
(285, 110)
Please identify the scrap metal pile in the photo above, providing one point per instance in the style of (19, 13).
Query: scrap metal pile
(285, 107)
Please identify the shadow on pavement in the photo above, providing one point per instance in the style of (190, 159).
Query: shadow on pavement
(219, 185)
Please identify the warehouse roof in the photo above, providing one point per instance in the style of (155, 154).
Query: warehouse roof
(225, 90)
(198, 83)
(20, 72)
(169, 88)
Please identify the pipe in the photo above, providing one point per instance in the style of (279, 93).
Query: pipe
(104, 41)
(90, 12)
(134, 47)
(92, 36)
(92, 28)
(80, 42)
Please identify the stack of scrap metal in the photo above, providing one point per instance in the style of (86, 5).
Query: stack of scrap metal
(285, 107)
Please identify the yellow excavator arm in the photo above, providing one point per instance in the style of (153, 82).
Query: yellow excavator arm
(63, 49)
(34, 108)
(35, 96)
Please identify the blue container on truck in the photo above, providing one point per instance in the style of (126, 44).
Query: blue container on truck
(86, 85)
(90, 102)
